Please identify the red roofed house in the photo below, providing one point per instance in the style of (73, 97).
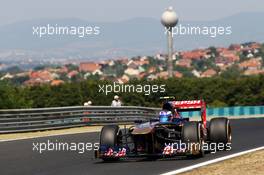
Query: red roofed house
(230, 55)
(255, 45)
(184, 63)
(223, 62)
(152, 70)
(39, 77)
(178, 74)
(163, 75)
(252, 64)
(89, 67)
(64, 69)
(209, 73)
(253, 72)
(56, 82)
(235, 47)
(43, 75)
(195, 54)
(132, 64)
(72, 74)
(221, 49)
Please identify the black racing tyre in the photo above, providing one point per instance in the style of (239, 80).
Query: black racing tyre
(192, 134)
(220, 130)
(110, 136)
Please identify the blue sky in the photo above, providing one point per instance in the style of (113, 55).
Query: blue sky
(116, 10)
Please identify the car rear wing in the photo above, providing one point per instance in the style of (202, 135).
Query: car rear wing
(191, 105)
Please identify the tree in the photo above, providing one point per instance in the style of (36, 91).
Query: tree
(216, 91)
(232, 72)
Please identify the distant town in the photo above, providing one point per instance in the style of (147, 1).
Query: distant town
(236, 60)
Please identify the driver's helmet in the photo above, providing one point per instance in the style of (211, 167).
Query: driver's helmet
(177, 114)
(165, 116)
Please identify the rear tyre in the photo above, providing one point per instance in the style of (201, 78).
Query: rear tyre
(111, 137)
(192, 137)
(220, 131)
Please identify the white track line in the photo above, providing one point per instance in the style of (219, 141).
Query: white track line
(182, 170)
(48, 135)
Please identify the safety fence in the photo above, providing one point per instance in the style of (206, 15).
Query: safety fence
(22, 120)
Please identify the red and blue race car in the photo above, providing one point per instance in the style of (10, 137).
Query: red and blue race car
(167, 135)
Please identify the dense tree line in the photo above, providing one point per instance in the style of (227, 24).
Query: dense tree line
(216, 91)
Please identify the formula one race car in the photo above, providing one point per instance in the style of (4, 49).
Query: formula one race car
(167, 135)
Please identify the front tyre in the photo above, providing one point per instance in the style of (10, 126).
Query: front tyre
(110, 136)
(192, 137)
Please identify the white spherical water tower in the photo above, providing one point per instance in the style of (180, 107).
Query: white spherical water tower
(169, 19)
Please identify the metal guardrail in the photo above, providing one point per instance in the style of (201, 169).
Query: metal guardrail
(22, 120)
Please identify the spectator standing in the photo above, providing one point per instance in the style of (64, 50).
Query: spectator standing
(89, 103)
(116, 102)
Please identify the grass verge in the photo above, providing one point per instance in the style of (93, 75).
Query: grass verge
(249, 164)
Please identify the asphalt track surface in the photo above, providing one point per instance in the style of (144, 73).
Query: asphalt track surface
(17, 157)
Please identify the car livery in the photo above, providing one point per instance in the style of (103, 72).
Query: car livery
(165, 138)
